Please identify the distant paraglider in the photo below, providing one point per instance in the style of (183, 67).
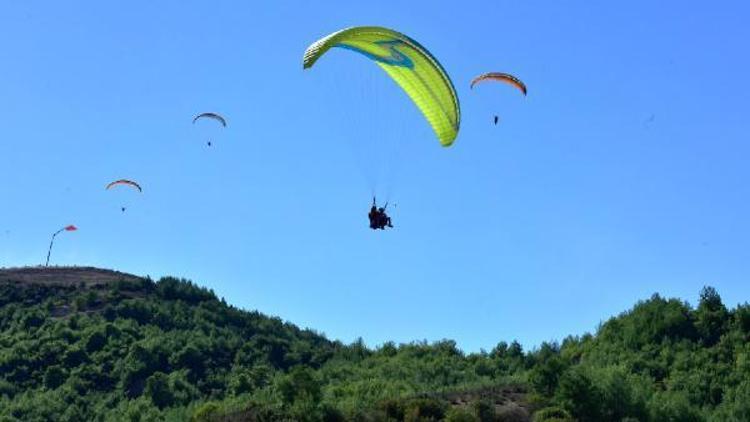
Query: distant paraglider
(124, 182)
(214, 116)
(502, 77)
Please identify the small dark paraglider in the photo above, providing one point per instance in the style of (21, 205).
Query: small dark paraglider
(497, 118)
(212, 116)
(379, 219)
(124, 182)
(215, 116)
(649, 121)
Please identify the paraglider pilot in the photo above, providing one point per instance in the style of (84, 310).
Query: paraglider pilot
(378, 218)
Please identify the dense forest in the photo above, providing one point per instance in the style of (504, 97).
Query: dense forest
(138, 350)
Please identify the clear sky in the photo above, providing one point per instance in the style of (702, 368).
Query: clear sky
(623, 173)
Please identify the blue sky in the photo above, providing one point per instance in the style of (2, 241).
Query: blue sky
(623, 173)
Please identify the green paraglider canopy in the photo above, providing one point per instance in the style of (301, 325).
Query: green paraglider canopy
(409, 64)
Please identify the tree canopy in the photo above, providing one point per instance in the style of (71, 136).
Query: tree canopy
(166, 350)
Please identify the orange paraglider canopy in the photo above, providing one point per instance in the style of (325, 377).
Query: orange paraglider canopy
(503, 77)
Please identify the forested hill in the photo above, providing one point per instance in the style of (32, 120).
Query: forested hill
(88, 344)
(78, 342)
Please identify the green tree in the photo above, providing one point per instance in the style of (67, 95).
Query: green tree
(158, 390)
(54, 376)
(579, 395)
(300, 382)
(711, 316)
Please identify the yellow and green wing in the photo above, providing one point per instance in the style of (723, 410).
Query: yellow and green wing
(413, 68)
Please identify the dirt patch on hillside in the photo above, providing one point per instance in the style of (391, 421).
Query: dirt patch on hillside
(510, 401)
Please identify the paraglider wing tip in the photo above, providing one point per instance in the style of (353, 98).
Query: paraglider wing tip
(309, 59)
(310, 56)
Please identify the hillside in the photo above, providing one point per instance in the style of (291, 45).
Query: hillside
(65, 276)
(91, 344)
(77, 341)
